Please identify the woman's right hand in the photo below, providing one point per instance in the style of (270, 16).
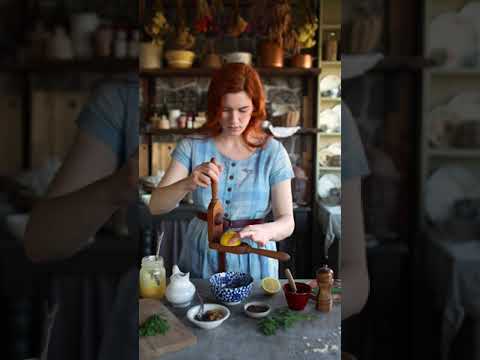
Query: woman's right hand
(203, 175)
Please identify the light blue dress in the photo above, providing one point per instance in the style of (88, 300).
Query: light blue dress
(244, 190)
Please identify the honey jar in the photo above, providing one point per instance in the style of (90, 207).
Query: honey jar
(153, 280)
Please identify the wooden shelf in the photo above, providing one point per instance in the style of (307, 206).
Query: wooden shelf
(330, 99)
(159, 132)
(331, 27)
(455, 153)
(205, 72)
(330, 63)
(442, 71)
(330, 168)
(58, 66)
(324, 134)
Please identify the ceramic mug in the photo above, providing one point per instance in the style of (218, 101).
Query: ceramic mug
(297, 300)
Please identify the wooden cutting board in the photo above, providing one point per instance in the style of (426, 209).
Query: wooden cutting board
(178, 336)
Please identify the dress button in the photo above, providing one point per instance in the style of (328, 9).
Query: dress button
(226, 215)
(231, 177)
(227, 202)
(229, 189)
(233, 164)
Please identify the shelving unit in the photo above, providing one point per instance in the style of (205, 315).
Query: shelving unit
(440, 84)
(330, 16)
(97, 65)
(329, 21)
(205, 72)
(25, 73)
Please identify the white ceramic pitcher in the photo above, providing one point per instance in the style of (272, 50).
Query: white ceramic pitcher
(181, 290)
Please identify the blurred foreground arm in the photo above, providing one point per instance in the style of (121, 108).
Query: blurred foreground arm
(84, 194)
(353, 272)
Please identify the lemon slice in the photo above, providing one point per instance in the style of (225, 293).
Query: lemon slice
(227, 235)
(271, 285)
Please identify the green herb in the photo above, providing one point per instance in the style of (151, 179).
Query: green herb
(281, 318)
(154, 325)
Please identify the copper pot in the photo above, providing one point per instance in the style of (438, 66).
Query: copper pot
(212, 61)
(301, 61)
(271, 55)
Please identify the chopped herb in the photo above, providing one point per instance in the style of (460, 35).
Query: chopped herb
(154, 325)
(281, 318)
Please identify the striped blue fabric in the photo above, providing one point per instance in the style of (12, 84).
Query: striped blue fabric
(244, 190)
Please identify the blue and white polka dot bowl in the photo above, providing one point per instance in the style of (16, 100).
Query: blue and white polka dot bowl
(231, 288)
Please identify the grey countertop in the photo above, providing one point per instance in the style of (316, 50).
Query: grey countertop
(239, 338)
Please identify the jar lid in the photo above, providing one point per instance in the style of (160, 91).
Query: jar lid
(152, 260)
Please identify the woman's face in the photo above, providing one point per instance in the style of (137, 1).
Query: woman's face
(236, 113)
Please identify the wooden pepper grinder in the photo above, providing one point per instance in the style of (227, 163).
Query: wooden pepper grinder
(324, 301)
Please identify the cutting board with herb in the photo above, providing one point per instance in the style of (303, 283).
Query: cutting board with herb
(170, 333)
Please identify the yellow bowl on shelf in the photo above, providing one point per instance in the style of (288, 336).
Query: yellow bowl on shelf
(180, 59)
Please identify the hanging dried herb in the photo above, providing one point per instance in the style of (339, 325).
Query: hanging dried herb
(184, 40)
(158, 27)
(238, 24)
(273, 21)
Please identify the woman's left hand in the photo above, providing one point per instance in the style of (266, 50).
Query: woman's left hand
(261, 233)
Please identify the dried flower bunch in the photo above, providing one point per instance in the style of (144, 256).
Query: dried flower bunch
(307, 25)
(290, 24)
(238, 24)
(273, 21)
(183, 38)
(158, 27)
(204, 20)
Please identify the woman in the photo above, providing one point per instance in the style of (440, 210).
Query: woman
(253, 174)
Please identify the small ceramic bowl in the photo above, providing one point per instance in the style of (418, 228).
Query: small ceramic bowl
(231, 288)
(254, 314)
(180, 59)
(193, 311)
(238, 57)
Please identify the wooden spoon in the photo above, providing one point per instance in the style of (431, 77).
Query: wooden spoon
(245, 248)
(291, 281)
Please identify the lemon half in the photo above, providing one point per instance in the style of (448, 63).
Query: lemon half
(271, 285)
(227, 235)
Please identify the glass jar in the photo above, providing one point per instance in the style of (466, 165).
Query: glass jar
(153, 280)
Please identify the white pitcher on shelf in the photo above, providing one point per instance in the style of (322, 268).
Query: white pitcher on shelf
(181, 290)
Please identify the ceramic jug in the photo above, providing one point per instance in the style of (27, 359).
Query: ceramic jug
(181, 290)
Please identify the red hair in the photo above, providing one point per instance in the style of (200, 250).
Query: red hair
(233, 78)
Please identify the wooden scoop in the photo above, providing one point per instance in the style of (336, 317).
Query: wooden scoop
(245, 248)
(215, 222)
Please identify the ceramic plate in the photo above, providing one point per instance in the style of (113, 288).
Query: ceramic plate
(338, 111)
(330, 82)
(466, 105)
(472, 12)
(455, 35)
(444, 187)
(438, 121)
(329, 121)
(328, 182)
